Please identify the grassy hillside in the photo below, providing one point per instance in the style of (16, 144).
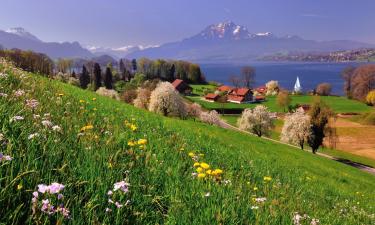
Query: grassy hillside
(262, 182)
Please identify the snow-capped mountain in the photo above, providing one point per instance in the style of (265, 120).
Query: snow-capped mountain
(116, 52)
(22, 39)
(229, 42)
(19, 31)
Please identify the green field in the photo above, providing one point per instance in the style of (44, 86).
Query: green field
(262, 182)
(338, 104)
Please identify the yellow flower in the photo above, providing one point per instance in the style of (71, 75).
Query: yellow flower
(110, 166)
(255, 188)
(217, 172)
(82, 101)
(61, 94)
(199, 169)
(94, 99)
(94, 109)
(133, 127)
(196, 164)
(201, 155)
(266, 178)
(88, 127)
(201, 175)
(131, 143)
(205, 165)
(209, 172)
(191, 154)
(142, 141)
(19, 186)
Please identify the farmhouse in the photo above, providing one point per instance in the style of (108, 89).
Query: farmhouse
(225, 88)
(182, 87)
(211, 97)
(240, 95)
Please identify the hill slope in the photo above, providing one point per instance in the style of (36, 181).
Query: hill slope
(262, 182)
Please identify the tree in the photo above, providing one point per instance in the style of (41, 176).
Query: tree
(235, 80)
(211, 117)
(248, 76)
(296, 129)
(258, 120)
(134, 65)
(122, 69)
(272, 87)
(370, 98)
(84, 78)
(324, 89)
(194, 110)
(97, 76)
(347, 75)
(283, 100)
(74, 74)
(363, 81)
(142, 100)
(319, 116)
(166, 101)
(108, 79)
(194, 74)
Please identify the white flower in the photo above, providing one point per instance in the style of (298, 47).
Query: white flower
(19, 93)
(3, 75)
(208, 194)
(56, 128)
(254, 207)
(5, 157)
(3, 95)
(47, 123)
(16, 118)
(259, 200)
(122, 185)
(32, 103)
(32, 136)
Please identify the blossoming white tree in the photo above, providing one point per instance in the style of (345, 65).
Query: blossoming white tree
(166, 101)
(143, 96)
(258, 120)
(211, 117)
(296, 129)
(272, 87)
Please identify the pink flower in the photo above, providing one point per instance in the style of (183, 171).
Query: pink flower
(122, 185)
(118, 205)
(109, 193)
(55, 188)
(5, 157)
(42, 188)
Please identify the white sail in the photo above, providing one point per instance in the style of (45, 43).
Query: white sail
(297, 86)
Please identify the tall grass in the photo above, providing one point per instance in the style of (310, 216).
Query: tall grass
(163, 186)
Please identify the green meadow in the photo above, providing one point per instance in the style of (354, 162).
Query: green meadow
(103, 141)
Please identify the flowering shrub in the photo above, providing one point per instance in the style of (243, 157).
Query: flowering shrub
(48, 200)
(296, 129)
(108, 93)
(211, 117)
(258, 120)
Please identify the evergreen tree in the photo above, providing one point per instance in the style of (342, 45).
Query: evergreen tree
(122, 69)
(84, 79)
(97, 76)
(134, 65)
(108, 79)
(74, 74)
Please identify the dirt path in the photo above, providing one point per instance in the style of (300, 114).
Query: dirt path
(359, 166)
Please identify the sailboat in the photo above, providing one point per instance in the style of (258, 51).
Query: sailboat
(297, 86)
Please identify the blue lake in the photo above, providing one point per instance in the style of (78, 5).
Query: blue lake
(310, 74)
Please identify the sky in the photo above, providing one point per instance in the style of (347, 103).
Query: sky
(117, 23)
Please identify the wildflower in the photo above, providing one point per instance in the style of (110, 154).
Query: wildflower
(56, 128)
(55, 188)
(205, 165)
(60, 94)
(32, 103)
(142, 141)
(191, 154)
(199, 169)
(94, 99)
(88, 127)
(5, 157)
(208, 194)
(118, 205)
(260, 200)
(109, 193)
(19, 186)
(16, 118)
(196, 164)
(209, 172)
(94, 109)
(255, 188)
(3, 75)
(201, 175)
(81, 101)
(314, 221)
(131, 143)
(108, 210)
(19, 93)
(254, 207)
(3, 95)
(133, 127)
(32, 136)
(217, 172)
(266, 178)
(47, 123)
(122, 185)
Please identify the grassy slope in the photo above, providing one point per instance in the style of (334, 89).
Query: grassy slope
(338, 104)
(162, 188)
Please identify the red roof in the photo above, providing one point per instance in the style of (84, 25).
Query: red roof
(240, 91)
(260, 97)
(235, 98)
(177, 83)
(261, 89)
(211, 96)
(225, 88)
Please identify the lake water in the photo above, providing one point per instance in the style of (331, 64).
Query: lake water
(310, 74)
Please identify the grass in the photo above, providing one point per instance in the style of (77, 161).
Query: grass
(162, 189)
(200, 89)
(338, 104)
(345, 155)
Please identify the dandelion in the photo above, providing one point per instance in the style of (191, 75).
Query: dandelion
(5, 157)
(209, 172)
(191, 154)
(86, 128)
(266, 178)
(133, 127)
(16, 118)
(205, 165)
(217, 172)
(32, 103)
(142, 141)
(196, 164)
(201, 175)
(255, 188)
(199, 169)
(81, 101)
(131, 143)
(60, 94)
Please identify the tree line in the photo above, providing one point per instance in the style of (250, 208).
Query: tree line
(359, 81)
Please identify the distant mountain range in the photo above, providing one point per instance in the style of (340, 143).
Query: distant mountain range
(21, 39)
(223, 42)
(228, 42)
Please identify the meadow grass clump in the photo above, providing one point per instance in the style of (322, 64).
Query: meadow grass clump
(115, 164)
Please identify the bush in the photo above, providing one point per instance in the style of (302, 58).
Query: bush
(128, 96)
(324, 89)
(73, 81)
(211, 117)
(108, 93)
(142, 100)
(272, 87)
(193, 110)
(165, 100)
(120, 86)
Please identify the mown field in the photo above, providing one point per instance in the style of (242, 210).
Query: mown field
(103, 141)
(338, 104)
